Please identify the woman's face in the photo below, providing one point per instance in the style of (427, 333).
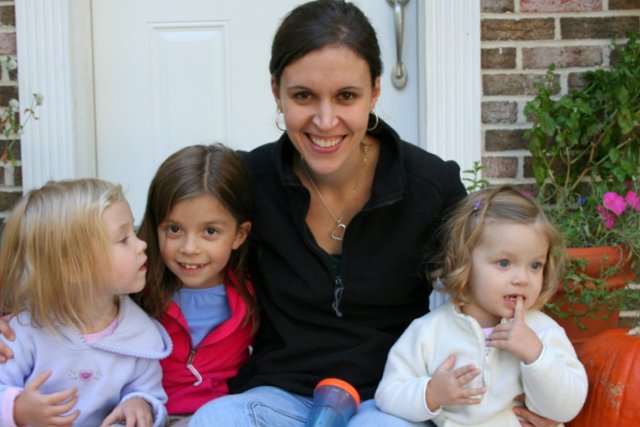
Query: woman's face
(326, 97)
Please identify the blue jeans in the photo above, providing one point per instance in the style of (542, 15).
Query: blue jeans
(273, 407)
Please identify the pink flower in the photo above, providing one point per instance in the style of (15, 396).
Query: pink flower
(614, 202)
(608, 219)
(633, 200)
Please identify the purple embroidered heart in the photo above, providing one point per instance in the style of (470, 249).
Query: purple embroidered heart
(86, 375)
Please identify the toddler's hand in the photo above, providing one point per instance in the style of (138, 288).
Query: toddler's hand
(448, 385)
(516, 337)
(7, 332)
(36, 409)
(136, 412)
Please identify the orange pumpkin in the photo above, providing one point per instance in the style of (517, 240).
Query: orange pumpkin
(612, 361)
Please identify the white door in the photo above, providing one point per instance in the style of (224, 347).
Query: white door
(174, 73)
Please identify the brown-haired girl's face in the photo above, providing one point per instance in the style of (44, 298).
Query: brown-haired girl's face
(507, 262)
(196, 240)
(326, 97)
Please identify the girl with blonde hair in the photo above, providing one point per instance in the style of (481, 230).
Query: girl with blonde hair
(85, 353)
(467, 361)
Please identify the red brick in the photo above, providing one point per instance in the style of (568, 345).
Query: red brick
(560, 6)
(8, 199)
(598, 28)
(500, 58)
(517, 29)
(624, 4)
(563, 57)
(499, 112)
(7, 16)
(7, 93)
(7, 44)
(496, 6)
(500, 167)
(511, 84)
(505, 140)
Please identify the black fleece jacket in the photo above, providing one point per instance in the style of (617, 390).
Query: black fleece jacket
(307, 333)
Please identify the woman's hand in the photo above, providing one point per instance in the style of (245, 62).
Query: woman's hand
(7, 332)
(529, 419)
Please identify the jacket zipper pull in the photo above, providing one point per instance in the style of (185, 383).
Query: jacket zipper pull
(337, 296)
(193, 369)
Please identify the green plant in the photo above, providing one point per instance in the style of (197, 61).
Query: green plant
(585, 148)
(11, 125)
(475, 180)
(591, 133)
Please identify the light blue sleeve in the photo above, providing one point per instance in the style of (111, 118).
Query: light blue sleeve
(148, 385)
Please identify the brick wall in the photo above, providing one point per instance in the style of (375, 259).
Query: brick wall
(8, 90)
(520, 38)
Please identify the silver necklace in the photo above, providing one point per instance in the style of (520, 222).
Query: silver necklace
(338, 232)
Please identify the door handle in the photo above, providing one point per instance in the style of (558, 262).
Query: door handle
(399, 70)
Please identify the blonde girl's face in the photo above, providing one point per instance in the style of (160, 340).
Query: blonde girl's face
(507, 262)
(326, 97)
(196, 240)
(129, 258)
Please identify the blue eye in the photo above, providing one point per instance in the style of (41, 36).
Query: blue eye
(536, 265)
(503, 263)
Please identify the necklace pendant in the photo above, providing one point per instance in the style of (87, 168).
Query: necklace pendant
(338, 232)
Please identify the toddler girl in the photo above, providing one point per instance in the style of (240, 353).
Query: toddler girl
(84, 352)
(466, 361)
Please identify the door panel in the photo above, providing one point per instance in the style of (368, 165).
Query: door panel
(170, 74)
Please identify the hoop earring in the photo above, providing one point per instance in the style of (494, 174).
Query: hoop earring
(376, 121)
(280, 118)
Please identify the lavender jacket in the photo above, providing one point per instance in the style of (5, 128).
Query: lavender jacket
(106, 373)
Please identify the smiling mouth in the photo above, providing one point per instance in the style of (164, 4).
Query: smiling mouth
(325, 143)
(190, 266)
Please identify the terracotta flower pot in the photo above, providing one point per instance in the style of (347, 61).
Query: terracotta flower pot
(599, 259)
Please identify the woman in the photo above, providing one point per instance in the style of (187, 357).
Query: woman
(344, 211)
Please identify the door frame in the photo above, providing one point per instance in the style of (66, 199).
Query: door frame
(56, 60)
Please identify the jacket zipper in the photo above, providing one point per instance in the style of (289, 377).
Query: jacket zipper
(337, 295)
(193, 369)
